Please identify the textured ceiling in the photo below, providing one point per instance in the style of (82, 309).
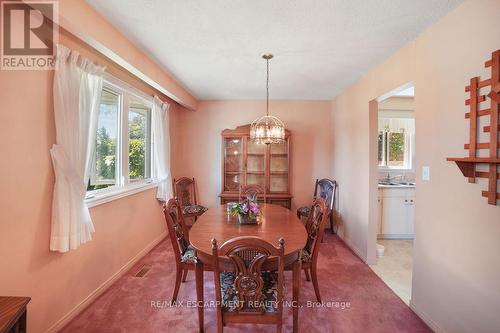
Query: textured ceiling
(213, 47)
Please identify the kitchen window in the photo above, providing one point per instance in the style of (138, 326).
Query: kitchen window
(122, 161)
(396, 149)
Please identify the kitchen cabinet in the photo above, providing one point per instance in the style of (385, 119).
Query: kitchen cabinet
(397, 210)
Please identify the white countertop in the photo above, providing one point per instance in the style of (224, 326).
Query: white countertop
(396, 186)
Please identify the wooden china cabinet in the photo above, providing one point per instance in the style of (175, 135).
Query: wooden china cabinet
(245, 162)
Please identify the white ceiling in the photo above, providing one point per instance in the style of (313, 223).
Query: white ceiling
(321, 47)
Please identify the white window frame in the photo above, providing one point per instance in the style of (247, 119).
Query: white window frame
(124, 187)
(408, 153)
(409, 142)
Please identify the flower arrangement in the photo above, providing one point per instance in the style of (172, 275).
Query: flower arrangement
(246, 210)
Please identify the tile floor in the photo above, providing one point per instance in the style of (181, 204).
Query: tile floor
(395, 267)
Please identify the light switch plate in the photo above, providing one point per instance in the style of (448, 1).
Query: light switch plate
(426, 173)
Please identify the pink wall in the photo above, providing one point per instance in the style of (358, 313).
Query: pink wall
(456, 272)
(200, 142)
(56, 282)
(350, 146)
(125, 228)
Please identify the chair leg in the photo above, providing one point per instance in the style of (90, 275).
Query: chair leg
(220, 324)
(315, 282)
(178, 278)
(198, 271)
(184, 276)
(331, 222)
(306, 270)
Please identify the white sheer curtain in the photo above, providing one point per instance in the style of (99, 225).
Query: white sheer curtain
(77, 89)
(161, 139)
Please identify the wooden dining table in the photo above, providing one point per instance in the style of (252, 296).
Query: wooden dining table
(275, 222)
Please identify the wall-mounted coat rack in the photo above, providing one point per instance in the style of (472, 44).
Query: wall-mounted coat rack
(468, 165)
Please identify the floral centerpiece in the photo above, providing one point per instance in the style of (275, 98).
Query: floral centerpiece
(246, 210)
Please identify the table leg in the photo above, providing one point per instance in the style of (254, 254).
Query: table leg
(295, 294)
(199, 295)
(23, 322)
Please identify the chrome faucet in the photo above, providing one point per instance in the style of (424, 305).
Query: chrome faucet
(389, 178)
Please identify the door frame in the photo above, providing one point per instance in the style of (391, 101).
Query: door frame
(371, 248)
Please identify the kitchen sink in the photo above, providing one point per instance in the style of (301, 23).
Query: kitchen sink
(388, 183)
(396, 183)
(407, 183)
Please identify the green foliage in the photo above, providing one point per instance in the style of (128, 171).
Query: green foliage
(137, 147)
(380, 146)
(136, 158)
(396, 146)
(104, 160)
(106, 149)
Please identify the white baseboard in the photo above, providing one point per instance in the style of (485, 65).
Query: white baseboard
(103, 287)
(425, 317)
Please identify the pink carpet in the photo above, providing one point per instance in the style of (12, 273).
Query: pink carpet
(359, 300)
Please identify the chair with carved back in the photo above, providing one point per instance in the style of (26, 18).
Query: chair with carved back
(326, 189)
(251, 191)
(185, 191)
(315, 227)
(185, 258)
(249, 281)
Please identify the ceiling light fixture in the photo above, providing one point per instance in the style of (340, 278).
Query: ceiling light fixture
(267, 129)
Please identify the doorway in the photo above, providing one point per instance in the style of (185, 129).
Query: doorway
(392, 192)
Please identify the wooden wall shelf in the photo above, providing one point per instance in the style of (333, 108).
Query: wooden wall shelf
(476, 110)
(468, 165)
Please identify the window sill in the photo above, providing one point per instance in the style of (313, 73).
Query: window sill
(107, 196)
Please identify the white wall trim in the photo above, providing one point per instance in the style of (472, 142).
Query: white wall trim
(114, 57)
(426, 318)
(396, 91)
(101, 48)
(102, 197)
(59, 325)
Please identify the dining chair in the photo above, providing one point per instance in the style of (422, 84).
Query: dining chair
(185, 258)
(249, 286)
(326, 189)
(250, 191)
(315, 227)
(185, 190)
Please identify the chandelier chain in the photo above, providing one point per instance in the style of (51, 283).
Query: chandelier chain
(267, 89)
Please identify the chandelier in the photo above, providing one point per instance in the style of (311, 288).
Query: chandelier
(267, 129)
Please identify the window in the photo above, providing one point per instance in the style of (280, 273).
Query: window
(139, 125)
(103, 172)
(123, 151)
(395, 143)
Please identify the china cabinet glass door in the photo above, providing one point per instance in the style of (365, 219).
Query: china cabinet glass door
(278, 174)
(256, 164)
(233, 164)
